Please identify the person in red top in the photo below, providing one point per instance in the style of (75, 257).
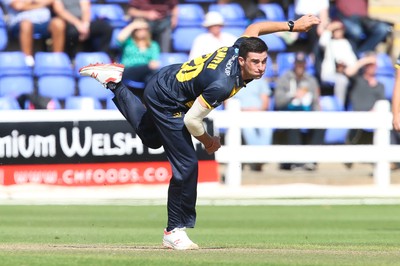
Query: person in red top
(162, 16)
(363, 32)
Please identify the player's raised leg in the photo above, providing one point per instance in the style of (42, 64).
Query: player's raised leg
(133, 109)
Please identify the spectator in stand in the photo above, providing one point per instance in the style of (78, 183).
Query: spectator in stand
(320, 9)
(363, 32)
(95, 35)
(296, 90)
(162, 16)
(396, 98)
(255, 97)
(27, 18)
(140, 54)
(212, 40)
(365, 91)
(339, 58)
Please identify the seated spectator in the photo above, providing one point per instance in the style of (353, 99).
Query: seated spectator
(255, 97)
(365, 91)
(26, 18)
(363, 32)
(162, 17)
(212, 40)
(318, 8)
(296, 90)
(95, 35)
(338, 59)
(140, 54)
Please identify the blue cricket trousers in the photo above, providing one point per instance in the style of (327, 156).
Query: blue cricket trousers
(157, 125)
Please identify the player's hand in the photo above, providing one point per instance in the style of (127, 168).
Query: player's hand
(305, 23)
(215, 145)
(396, 122)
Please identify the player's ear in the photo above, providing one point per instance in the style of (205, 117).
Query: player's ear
(241, 61)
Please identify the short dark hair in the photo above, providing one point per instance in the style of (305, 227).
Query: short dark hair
(252, 45)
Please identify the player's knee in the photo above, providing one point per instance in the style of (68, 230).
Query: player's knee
(152, 144)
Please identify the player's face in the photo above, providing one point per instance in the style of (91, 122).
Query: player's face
(253, 66)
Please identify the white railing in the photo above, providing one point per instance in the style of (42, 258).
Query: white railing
(381, 153)
(233, 153)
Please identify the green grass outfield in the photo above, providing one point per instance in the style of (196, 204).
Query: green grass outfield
(227, 235)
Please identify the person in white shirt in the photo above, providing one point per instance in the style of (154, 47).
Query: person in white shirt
(212, 40)
(339, 56)
(340, 61)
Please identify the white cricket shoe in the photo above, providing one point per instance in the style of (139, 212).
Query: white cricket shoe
(178, 239)
(103, 73)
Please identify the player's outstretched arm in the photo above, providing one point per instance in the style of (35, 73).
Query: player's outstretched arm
(303, 24)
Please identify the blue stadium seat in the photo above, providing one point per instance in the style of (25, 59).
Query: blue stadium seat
(330, 103)
(291, 15)
(285, 62)
(90, 87)
(270, 70)
(54, 74)
(110, 105)
(13, 63)
(113, 13)
(236, 31)
(183, 37)
(52, 63)
(82, 103)
(113, 42)
(15, 76)
(190, 15)
(16, 85)
(274, 42)
(233, 13)
(9, 103)
(270, 73)
(85, 58)
(3, 32)
(385, 66)
(173, 58)
(388, 83)
(273, 11)
(56, 86)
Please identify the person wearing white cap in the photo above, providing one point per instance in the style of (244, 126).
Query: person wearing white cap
(212, 40)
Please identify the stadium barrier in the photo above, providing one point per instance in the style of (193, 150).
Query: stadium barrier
(380, 153)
